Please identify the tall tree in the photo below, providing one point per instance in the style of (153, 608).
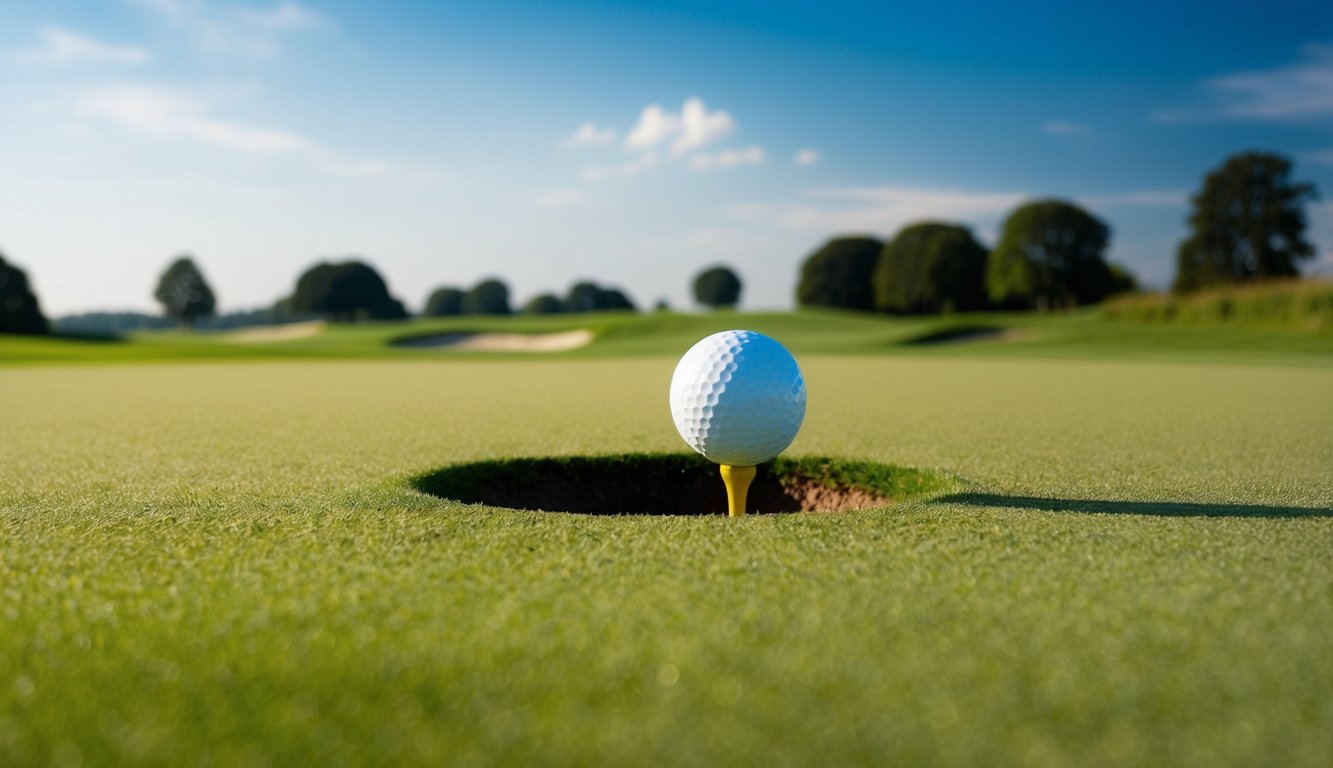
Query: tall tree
(489, 297)
(445, 301)
(345, 292)
(717, 287)
(839, 274)
(19, 309)
(184, 293)
(931, 267)
(1049, 256)
(1248, 224)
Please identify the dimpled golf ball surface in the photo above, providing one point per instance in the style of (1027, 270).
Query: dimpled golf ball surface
(738, 398)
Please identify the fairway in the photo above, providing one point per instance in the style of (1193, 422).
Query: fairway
(225, 562)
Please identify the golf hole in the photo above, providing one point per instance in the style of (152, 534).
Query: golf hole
(678, 484)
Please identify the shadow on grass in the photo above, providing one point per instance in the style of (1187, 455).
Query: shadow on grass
(1156, 508)
(676, 484)
(88, 336)
(956, 334)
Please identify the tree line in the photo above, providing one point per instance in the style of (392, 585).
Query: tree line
(1050, 256)
(1247, 223)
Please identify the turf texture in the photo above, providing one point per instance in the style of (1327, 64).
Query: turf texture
(226, 563)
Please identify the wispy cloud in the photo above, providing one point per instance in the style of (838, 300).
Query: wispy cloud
(167, 114)
(631, 168)
(284, 17)
(1065, 128)
(882, 209)
(588, 134)
(694, 127)
(242, 30)
(728, 158)
(62, 46)
(805, 158)
(1299, 91)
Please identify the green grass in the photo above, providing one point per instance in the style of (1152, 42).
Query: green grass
(1304, 305)
(1084, 334)
(227, 563)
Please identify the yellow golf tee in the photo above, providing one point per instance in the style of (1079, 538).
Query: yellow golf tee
(738, 481)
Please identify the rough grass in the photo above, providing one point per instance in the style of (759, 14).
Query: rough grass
(1302, 305)
(225, 564)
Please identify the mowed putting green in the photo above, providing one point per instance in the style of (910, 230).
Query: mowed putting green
(227, 562)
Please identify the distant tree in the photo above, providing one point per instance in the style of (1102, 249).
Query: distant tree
(839, 274)
(19, 309)
(587, 296)
(345, 292)
(544, 304)
(584, 297)
(489, 297)
(1248, 224)
(184, 293)
(717, 287)
(616, 299)
(662, 305)
(445, 301)
(1049, 256)
(931, 267)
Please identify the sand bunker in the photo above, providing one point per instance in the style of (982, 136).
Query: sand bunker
(267, 333)
(502, 342)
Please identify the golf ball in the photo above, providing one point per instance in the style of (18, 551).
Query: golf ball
(738, 398)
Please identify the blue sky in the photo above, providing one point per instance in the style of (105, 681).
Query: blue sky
(629, 143)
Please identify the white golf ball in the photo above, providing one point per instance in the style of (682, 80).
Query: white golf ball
(738, 398)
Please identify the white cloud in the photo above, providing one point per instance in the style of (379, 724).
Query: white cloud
(561, 198)
(655, 125)
(227, 29)
(284, 17)
(165, 114)
(62, 46)
(1143, 198)
(699, 127)
(632, 168)
(588, 134)
(805, 158)
(1299, 91)
(1065, 128)
(693, 128)
(728, 158)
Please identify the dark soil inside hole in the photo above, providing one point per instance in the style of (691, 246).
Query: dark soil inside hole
(676, 484)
